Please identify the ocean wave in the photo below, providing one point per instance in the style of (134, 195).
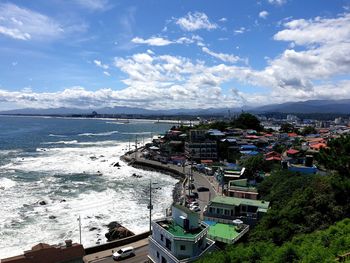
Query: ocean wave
(98, 134)
(136, 133)
(57, 135)
(62, 142)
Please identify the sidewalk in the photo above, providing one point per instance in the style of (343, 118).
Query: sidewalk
(108, 253)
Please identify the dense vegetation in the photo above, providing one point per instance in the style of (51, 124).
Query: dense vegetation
(320, 246)
(243, 121)
(302, 208)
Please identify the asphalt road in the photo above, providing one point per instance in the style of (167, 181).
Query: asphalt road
(140, 256)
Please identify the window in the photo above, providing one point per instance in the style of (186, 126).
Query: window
(157, 254)
(163, 260)
(182, 247)
(161, 237)
(168, 244)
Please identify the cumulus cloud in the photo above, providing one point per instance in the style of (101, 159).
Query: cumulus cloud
(224, 57)
(263, 14)
(195, 21)
(24, 24)
(316, 31)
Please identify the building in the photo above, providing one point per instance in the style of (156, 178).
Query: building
(205, 150)
(225, 209)
(180, 238)
(44, 253)
(241, 189)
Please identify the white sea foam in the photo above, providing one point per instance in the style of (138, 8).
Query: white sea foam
(6, 183)
(98, 134)
(115, 196)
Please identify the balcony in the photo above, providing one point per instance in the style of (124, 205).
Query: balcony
(154, 245)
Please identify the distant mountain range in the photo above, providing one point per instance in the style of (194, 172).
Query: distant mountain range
(310, 106)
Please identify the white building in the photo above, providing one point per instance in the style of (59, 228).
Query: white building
(180, 238)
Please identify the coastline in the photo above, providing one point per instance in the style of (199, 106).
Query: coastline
(148, 166)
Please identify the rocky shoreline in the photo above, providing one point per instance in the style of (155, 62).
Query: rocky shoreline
(178, 186)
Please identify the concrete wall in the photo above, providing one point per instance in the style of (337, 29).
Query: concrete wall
(117, 243)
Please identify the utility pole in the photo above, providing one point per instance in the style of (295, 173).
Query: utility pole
(150, 206)
(79, 219)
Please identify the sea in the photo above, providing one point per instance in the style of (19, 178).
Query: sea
(68, 164)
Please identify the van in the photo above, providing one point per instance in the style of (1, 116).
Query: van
(124, 253)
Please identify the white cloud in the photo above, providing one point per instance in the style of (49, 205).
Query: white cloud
(107, 73)
(224, 19)
(25, 24)
(277, 2)
(160, 41)
(316, 31)
(99, 64)
(153, 41)
(263, 14)
(195, 21)
(94, 5)
(224, 57)
(241, 30)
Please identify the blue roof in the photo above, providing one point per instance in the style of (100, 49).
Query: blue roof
(249, 152)
(248, 146)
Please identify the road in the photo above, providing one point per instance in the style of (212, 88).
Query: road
(140, 256)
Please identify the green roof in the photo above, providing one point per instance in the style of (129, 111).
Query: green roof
(234, 201)
(179, 231)
(222, 231)
(240, 182)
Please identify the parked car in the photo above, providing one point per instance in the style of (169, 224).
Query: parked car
(124, 253)
(195, 209)
(202, 189)
(194, 203)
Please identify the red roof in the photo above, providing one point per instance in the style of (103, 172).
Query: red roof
(318, 146)
(252, 137)
(292, 134)
(273, 153)
(292, 151)
(207, 161)
(274, 158)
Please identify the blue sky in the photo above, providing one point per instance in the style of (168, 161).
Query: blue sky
(172, 54)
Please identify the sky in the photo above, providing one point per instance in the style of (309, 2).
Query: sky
(158, 54)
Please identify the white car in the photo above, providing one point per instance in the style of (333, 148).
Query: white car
(195, 208)
(124, 253)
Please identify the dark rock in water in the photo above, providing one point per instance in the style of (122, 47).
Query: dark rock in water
(63, 200)
(99, 173)
(52, 217)
(118, 233)
(93, 228)
(136, 175)
(113, 224)
(93, 158)
(116, 164)
(42, 203)
(98, 217)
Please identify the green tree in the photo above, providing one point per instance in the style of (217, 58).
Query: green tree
(255, 164)
(247, 121)
(308, 130)
(337, 155)
(287, 127)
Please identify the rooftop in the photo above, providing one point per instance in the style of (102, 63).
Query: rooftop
(234, 201)
(224, 231)
(178, 231)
